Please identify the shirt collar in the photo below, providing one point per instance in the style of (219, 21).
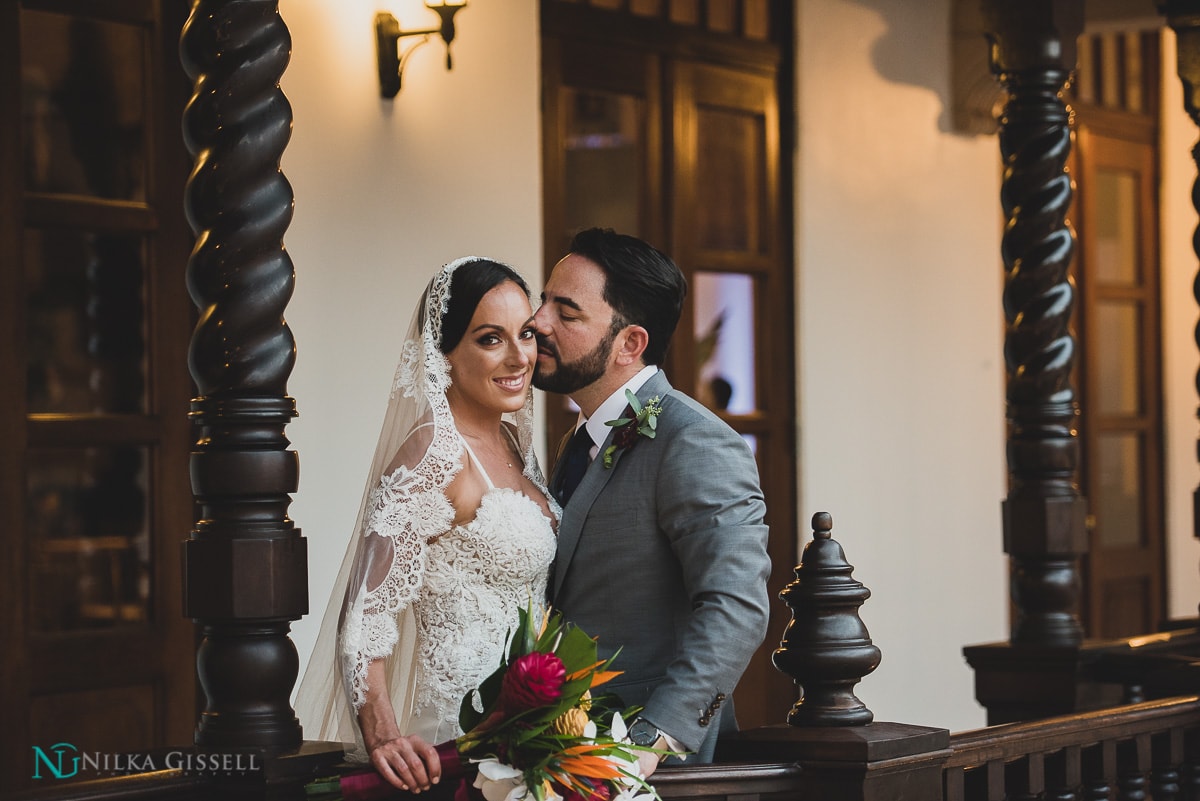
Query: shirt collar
(613, 406)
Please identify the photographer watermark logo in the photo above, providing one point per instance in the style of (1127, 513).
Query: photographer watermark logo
(65, 761)
(61, 763)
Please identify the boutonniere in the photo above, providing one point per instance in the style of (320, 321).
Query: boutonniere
(638, 421)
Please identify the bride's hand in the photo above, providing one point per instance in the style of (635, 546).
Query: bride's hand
(408, 762)
(404, 760)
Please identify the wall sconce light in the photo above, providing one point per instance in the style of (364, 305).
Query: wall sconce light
(387, 43)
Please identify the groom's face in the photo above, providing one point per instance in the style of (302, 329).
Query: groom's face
(574, 328)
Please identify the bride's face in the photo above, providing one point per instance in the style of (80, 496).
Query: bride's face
(491, 366)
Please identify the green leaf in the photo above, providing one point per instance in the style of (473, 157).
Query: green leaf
(619, 422)
(576, 649)
(325, 786)
(608, 456)
(634, 403)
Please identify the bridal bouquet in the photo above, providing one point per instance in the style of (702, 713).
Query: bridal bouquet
(541, 735)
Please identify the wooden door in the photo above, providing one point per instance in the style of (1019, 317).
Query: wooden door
(666, 125)
(94, 495)
(726, 228)
(1115, 97)
(1121, 377)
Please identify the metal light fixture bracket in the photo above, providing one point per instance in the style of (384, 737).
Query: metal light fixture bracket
(387, 44)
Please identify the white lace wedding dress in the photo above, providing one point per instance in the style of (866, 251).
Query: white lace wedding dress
(432, 600)
(465, 587)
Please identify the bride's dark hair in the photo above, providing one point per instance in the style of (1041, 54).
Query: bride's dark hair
(468, 285)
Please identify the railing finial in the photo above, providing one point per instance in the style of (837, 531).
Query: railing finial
(826, 648)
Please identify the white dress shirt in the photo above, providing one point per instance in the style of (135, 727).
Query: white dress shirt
(611, 408)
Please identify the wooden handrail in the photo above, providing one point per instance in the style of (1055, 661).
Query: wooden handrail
(725, 780)
(1014, 740)
(159, 785)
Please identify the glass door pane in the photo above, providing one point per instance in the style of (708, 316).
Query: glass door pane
(724, 331)
(1116, 233)
(83, 106)
(1117, 494)
(603, 153)
(85, 322)
(86, 514)
(1118, 357)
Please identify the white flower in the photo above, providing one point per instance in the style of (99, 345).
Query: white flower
(632, 794)
(618, 729)
(500, 782)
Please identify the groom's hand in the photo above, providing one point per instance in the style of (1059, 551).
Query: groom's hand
(647, 763)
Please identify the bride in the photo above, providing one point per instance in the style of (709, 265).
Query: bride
(455, 533)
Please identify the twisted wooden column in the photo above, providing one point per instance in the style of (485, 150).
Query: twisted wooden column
(245, 562)
(1033, 48)
(1184, 18)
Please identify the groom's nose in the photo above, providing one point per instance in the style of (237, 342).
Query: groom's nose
(540, 320)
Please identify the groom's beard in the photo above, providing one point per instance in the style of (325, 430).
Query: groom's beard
(574, 376)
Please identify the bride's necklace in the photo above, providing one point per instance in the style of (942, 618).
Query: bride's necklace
(507, 458)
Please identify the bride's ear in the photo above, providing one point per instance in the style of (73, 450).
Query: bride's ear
(630, 345)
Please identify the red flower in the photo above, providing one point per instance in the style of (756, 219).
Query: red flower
(626, 435)
(599, 792)
(636, 420)
(531, 681)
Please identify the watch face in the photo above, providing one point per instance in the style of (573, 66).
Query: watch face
(643, 732)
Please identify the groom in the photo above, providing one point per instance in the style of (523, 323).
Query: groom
(662, 545)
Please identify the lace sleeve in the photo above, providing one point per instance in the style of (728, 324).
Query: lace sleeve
(406, 510)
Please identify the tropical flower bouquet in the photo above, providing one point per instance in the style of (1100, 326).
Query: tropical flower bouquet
(541, 736)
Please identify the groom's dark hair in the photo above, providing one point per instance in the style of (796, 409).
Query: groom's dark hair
(641, 283)
(469, 283)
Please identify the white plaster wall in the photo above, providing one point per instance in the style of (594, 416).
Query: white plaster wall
(900, 335)
(1180, 359)
(898, 297)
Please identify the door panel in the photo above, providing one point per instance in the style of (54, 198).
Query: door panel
(672, 134)
(94, 492)
(601, 112)
(1119, 321)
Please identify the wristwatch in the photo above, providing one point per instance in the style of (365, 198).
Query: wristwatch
(644, 733)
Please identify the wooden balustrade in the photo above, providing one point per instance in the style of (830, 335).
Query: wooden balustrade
(1127, 753)
(1129, 749)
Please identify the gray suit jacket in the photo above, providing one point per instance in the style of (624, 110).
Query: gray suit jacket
(664, 555)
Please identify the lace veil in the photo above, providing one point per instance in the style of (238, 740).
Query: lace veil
(370, 614)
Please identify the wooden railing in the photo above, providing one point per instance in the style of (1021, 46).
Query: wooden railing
(1127, 753)
(1133, 750)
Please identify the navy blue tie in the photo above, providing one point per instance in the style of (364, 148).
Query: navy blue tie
(576, 459)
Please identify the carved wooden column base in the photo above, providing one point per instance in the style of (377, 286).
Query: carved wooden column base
(1017, 682)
